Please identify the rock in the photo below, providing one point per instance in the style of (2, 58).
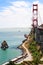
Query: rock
(24, 40)
(4, 45)
(26, 36)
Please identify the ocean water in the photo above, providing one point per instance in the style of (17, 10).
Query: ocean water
(14, 38)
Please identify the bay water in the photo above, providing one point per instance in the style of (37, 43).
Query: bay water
(13, 37)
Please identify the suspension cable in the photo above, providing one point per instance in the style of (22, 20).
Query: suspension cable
(40, 17)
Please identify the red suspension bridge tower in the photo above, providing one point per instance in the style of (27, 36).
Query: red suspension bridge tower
(35, 15)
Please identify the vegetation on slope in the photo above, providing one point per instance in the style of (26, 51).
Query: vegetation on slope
(35, 51)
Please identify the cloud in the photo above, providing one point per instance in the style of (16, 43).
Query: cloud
(16, 15)
(36, 2)
(19, 14)
(40, 13)
(21, 4)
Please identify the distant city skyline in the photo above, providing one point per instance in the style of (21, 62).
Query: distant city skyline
(18, 13)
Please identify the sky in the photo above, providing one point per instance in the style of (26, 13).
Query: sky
(18, 13)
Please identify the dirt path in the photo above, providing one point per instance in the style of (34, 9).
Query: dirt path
(29, 56)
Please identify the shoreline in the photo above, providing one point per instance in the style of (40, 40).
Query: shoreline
(19, 57)
(22, 49)
(25, 56)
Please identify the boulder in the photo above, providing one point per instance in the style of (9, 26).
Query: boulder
(4, 45)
